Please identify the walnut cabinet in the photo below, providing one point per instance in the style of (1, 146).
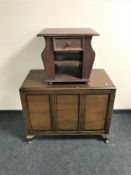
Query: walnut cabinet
(82, 109)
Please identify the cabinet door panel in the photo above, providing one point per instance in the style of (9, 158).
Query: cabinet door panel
(39, 112)
(67, 112)
(38, 103)
(95, 111)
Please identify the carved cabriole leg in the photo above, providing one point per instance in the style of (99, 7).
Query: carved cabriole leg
(106, 138)
(29, 138)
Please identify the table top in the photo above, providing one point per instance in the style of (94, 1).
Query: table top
(68, 31)
(35, 80)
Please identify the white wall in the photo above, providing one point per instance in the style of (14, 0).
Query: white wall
(20, 49)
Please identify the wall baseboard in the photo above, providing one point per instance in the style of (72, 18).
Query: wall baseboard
(115, 111)
(10, 110)
(122, 111)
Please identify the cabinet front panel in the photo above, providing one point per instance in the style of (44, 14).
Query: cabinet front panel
(39, 112)
(67, 112)
(95, 111)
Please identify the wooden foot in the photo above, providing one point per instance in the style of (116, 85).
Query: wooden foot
(50, 83)
(29, 141)
(106, 138)
(29, 138)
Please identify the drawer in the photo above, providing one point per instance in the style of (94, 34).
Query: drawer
(62, 43)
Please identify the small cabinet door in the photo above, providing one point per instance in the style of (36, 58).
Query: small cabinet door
(95, 111)
(39, 112)
(67, 112)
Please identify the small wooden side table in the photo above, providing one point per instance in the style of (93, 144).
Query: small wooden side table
(68, 55)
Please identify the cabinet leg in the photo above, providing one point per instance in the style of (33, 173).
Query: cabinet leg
(106, 138)
(29, 138)
(50, 83)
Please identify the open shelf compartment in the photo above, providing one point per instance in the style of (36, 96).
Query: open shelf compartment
(68, 65)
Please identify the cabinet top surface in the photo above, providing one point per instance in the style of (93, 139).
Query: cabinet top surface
(35, 80)
(68, 31)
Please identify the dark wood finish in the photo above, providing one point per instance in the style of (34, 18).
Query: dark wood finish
(74, 109)
(48, 59)
(35, 81)
(110, 106)
(88, 58)
(25, 112)
(68, 31)
(53, 112)
(68, 44)
(81, 112)
(77, 63)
